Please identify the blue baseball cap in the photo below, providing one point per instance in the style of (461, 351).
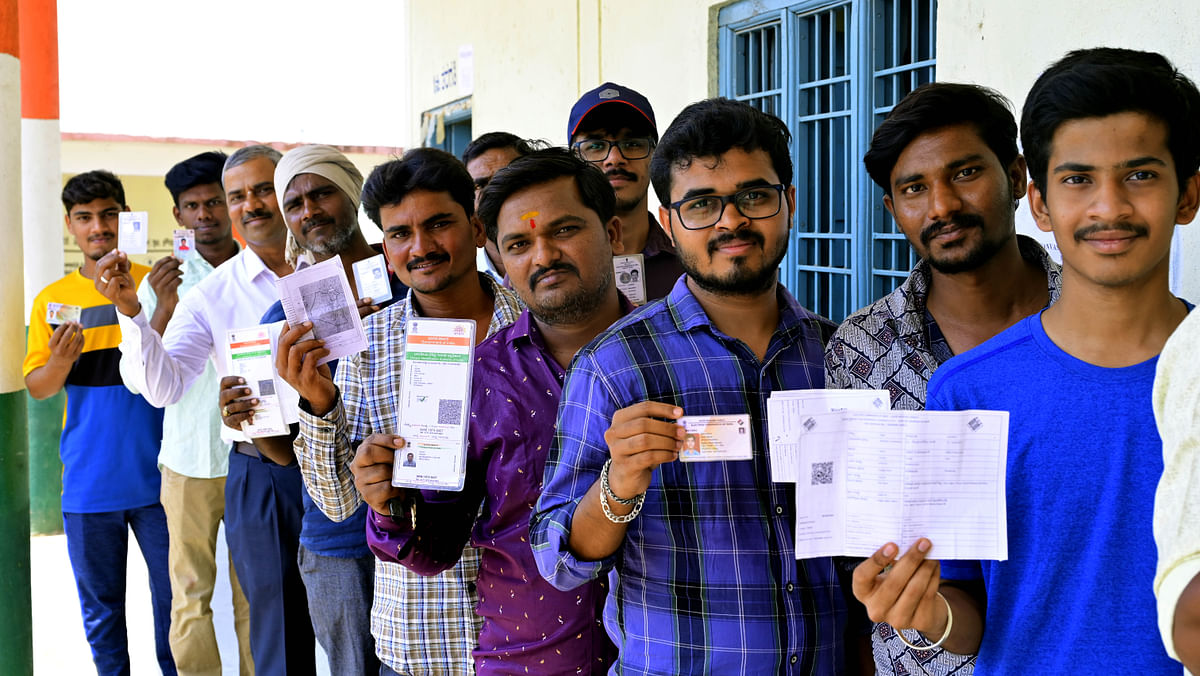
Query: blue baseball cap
(605, 95)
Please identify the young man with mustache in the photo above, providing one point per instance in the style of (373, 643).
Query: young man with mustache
(613, 127)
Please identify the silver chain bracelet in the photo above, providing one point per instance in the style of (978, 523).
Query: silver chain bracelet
(606, 494)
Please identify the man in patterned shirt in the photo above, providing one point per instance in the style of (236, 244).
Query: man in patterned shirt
(423, 202)
(707, 579)
(946, 159)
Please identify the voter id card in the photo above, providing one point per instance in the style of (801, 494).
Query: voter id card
(631, 277)
(185, 243)
(371, 278)
(61, 313)
(716, 437)
(133, 231)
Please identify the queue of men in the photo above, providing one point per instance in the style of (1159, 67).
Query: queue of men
(579, 542)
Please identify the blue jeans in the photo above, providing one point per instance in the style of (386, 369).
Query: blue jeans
(98, 546)
(340, 592)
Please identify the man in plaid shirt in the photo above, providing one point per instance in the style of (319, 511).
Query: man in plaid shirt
(423, 202)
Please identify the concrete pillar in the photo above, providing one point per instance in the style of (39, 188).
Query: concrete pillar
(41, 186)
(16, 641)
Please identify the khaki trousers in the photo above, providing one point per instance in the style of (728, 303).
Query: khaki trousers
(194, 509)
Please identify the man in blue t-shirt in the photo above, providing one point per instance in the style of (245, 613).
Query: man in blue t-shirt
(1112, 143)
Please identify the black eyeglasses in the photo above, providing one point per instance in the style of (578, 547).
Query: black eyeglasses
(598, 149)
(698, 213)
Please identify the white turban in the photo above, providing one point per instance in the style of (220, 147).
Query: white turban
(323, 161)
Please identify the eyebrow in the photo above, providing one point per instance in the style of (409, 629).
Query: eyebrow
(752, 183)
(953, 164)
(1127, 164)
(566, 218)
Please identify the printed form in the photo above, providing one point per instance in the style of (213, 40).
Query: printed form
(321, 294)
(867, 478)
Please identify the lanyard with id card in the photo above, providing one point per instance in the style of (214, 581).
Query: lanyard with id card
(435, 398)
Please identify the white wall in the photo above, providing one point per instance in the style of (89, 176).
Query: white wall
(1006, 45)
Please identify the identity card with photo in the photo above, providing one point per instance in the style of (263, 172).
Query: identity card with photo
(61, 313)
(321, 294)
(250, 356)
(631, 277)
(185, 243)
(435, 401)
(133, 231)
(371, 277)
(716, 437)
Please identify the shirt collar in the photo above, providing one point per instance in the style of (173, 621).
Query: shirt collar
(253, 266)
(688, 314)
(505, 303)
(656, 240)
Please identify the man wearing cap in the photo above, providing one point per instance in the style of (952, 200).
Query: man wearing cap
(234, 296)
(319, 190)
(613, 127)
(193, 459)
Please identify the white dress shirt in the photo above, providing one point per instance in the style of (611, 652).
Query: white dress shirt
(234, 296)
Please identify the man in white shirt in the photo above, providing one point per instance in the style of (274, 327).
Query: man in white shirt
(262, 512)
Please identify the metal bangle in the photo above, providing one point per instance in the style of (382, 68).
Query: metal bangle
(605, 493)
(608, 489)
(945, 634)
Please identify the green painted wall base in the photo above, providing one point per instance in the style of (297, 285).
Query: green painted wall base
(45, 467)
(16, 605)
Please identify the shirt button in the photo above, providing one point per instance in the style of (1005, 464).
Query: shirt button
(779, 509)
(791, 587)
(795, 659)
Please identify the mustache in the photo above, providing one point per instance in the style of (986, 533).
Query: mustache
(627, 175)
(315, 222)
(1120, 226)
(257, 213)
(736, 236)
(542, 272)
(961, 221)
(431, 258)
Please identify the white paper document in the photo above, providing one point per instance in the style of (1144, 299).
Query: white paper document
(872, 478)
(631, 277)
(250, 356)
(787, 411)
(371, 277)
(133, 231)
(435, 399)
(321, 294)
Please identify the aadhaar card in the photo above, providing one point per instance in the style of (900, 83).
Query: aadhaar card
(716, 437)
(133, 231)
(61, 313)
(435, 403)
(371, 278)
(250, 357)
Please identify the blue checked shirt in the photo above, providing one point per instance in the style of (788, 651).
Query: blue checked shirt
(707, 580)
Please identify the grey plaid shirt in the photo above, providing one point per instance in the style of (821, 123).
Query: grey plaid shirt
(421, 625)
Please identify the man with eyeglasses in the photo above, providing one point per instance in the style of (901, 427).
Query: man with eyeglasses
(613, 127)
(706, 575)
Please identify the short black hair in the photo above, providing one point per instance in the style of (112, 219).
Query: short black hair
(938, 105)
(540, 167)
(712, 127)
(497, 139)
(200, 169)
(93, 185)
(419, 169)
(1106, 81)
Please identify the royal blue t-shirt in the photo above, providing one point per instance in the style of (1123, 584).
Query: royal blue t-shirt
(318, 534)
(1076, 594)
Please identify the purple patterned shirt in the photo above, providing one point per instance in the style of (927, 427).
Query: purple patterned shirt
(529, 626)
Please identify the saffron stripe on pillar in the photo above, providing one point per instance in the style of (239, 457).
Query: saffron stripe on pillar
(16, 641)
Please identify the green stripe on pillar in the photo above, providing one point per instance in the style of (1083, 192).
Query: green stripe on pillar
(16, 641)
(45, 464)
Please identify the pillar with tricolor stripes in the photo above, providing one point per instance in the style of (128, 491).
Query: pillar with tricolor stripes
(42, 218)
(16, 640)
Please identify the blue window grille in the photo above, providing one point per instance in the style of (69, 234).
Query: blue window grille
(832, 70)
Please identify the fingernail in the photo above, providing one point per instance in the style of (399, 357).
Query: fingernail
(889, 550)
(254, 401)
(397, 440)
(677, 412)
(923, 545)
(241, 381)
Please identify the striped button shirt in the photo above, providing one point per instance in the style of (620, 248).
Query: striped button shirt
(421, 625)
(707, 580)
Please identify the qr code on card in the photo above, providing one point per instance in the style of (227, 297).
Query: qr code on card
(266, 388)
(822, 473)
(449, 411)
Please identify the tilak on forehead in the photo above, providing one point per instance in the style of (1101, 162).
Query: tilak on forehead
(529, 216)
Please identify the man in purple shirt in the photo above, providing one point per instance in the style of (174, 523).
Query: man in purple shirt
(551, 215)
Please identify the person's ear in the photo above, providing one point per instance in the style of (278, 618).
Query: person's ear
(178, 217)
(1018, 176)
(1189, 201)
(664, 222)
(613, 228)
(1039, 208)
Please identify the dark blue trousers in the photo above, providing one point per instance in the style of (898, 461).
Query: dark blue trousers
(263, 515)
(98, 546)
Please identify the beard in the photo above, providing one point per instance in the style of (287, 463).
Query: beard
(333, 245)
(970, 256)
(570, 307)
(743, 280)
